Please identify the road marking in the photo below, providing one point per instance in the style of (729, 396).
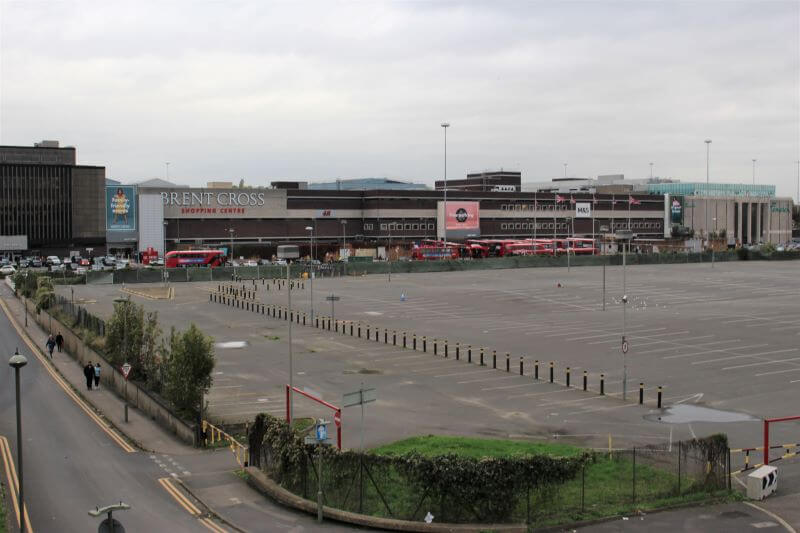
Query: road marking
(783, 522)
(208, 523)
(778, 372)
(13, 482)
(67, 388)
(182, 500)
(645, 337)
(762, 363)
(460, 373)
(717, 350)
(755, 355)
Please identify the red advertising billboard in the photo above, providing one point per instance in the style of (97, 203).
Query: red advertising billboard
(462, 219)
(463, 215)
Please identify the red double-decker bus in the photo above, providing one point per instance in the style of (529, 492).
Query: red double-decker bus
(185, 258)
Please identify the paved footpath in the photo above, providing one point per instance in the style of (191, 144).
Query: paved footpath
(209, 475)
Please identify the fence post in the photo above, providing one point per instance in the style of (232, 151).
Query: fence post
(583, 488)
(634, 475)
(679, 469)
(728, 467)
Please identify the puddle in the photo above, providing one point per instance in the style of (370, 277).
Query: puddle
(686, 414)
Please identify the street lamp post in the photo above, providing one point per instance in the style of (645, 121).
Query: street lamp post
(230, 231)
(17, 361)
(289, 310)
(624, 325)
(389, 255)
(708, 145)
(311, 268)
(445, 125)
(651, 170)
(754, 172)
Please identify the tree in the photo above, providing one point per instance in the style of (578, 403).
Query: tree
(132, 337)
(45, 293)
(188, 366)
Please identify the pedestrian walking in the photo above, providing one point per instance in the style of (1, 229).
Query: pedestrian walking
(97, 375)
(51, 343)
(59, 341)
(88, 372)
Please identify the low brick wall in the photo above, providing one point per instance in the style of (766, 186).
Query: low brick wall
(113, 379)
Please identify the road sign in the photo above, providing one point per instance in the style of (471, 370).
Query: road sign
(126, 369)
(624, 346)
(322, 432)
(359, 397)
(337, 419)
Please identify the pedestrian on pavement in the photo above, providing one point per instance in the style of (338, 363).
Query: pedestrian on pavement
(88, 372)
(51, 343)
(97, 375)
(59, 341)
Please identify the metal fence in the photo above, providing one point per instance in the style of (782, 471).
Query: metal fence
(612, 483)
(80, 316)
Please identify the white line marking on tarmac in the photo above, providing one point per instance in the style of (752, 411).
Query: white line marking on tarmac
(755, 355)
(778, 372)
(717, 350)
(487, 379)
(761, 363)
(646, 337)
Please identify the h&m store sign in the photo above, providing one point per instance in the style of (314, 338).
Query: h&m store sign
(223, 203)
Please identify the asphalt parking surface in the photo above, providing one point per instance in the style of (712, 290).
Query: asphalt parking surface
(725, 338)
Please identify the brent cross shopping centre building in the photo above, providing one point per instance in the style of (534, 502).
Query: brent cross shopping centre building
(129, 218)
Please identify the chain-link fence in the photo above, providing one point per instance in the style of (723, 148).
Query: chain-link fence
(604, 484)
(80, 317)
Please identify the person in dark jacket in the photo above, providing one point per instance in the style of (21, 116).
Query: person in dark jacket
(59, 341)
(88, 372)
(51, 343)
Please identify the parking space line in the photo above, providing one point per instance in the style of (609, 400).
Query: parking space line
(487, 379)
(718, 350)
(755, 355)
(762, 363)
(460, 373)
(646, 337)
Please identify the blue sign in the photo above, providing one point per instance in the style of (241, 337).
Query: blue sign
(322, 432)
(120, 208)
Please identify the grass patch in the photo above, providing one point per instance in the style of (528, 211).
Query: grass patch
(605, 488)
(241, 474)
(272, 337)
(431, 445)
(3, 514)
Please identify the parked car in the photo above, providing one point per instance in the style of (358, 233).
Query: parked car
(23, 263)
(7, 270)
(36, 263)
(250, 263)
(52, 260)
(109, 260)
(84, 262)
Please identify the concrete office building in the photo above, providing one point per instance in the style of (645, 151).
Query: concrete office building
(55, 203)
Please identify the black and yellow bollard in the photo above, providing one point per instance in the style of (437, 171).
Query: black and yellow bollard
(394, 337)
(404, 340)
(316, 321)
(435, 347)
(551, 371)
(494, 358)
(458, 351)
(210, 297)
(359, 330)
(585, 380)
(482, 356)
(351, 328)
(602, 384)
(660, 390)
(641, 393)
(336, 326)
(521, 370)
(508, 362)
(469, 353)
(367, 331)
(567, 376)
(385, 336)
(424, 344)
(536, 369)
(414, 342)
(445, 349)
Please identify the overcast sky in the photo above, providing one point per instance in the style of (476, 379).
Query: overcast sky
(268, 90)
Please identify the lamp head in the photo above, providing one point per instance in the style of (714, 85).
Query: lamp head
(17, 360)
(445, 124)
(708, 141)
